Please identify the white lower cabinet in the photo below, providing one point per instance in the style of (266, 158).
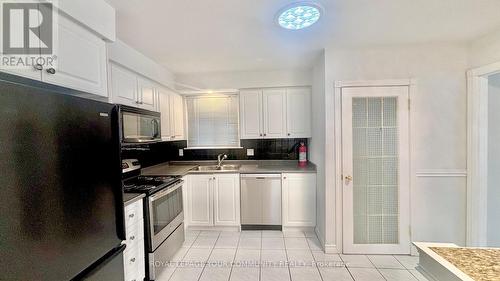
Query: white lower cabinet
(213, 200)
(133, 256)
(299, 199)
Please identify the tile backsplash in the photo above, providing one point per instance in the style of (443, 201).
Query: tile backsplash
(264, 149)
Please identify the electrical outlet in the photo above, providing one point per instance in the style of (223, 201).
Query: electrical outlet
(181, 152)
(250, 152)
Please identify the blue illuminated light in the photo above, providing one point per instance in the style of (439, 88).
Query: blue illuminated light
(299, 16)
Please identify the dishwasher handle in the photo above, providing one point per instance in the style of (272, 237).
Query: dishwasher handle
(261, 176)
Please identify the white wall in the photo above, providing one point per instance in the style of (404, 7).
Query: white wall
(438, 134)
(317, 142)
(239, 80)
(484, 51)
(494, 162)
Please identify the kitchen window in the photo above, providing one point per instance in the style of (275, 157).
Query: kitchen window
(213, 121)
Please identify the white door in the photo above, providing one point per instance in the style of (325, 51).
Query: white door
(123, 86)
(298, 112)
(251, 114)
(147, 92)
(299, 199)
(177, 116)
(199, 199)
(375, 153)
(81, 60)
(274, 108)
(227, 200)
(164, 108)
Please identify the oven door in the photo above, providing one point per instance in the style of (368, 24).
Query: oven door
(140, 126)
(165, 214)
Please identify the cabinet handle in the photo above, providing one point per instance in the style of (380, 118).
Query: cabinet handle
(138, 102)
(284, 178)
(265, 135)
(132, 260)
(173, 137)
(213, 178)
(38, 66)
(132, 238)
(51, 71)
(131, 215)
(289, 134)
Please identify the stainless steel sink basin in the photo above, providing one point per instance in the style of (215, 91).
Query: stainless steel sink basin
(230, 167)
(215, 168)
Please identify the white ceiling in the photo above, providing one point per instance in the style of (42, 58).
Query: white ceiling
(192, 36)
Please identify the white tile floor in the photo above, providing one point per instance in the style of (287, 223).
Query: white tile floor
(278, 256)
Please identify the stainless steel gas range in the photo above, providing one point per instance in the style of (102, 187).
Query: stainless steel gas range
(163, 211)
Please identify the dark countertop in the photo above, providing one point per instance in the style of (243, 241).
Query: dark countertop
(129, 198)
(182, 168)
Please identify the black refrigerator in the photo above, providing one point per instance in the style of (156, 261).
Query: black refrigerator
(61, 198)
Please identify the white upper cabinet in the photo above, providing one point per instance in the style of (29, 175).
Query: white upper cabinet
(251, 114)
(147, 92)
(123, 86)
(164, 108)
(81, 60)
(171, 107)
(298, 112)
(129, 88)
(275, 113)
(274, 108)
(177, 116)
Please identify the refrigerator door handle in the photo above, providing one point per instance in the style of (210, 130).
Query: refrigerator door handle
(120, 206)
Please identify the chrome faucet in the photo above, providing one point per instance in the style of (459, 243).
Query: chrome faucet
(220, 159)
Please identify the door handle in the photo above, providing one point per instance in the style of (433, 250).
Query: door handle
(348, 179)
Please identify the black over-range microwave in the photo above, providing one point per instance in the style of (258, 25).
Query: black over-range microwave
(139, 125)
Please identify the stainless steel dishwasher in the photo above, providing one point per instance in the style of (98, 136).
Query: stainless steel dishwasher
(261, 201)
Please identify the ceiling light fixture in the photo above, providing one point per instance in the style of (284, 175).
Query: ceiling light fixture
(299, 15)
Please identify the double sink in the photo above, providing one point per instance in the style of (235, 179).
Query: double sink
(217, 168)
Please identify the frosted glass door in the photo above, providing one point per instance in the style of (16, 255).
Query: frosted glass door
(375, 153)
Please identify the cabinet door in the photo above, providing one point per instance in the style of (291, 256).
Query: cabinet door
(177, 116)
(123, 86)
(274, 108)
(299, 199)
(28, 71)
(227, 200)
(147, 93)
(164, 108)
(251, 114)
(199, 199)
(298, 112)
(81, 60)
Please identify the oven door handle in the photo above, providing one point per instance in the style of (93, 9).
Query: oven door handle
(165, 192)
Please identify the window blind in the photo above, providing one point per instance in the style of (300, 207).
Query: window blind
(213, 121)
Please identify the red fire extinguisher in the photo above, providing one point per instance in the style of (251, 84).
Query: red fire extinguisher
(302, 154)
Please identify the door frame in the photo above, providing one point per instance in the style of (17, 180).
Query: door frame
(477, 153)
(334, 154)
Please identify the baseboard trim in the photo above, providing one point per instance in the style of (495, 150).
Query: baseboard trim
(331, 249)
